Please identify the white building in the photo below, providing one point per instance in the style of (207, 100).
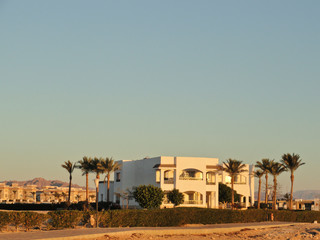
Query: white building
(196, 178)
(16, 193)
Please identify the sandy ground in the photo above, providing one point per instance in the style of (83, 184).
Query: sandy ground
(293, 232)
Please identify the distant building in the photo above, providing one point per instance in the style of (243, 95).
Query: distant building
(15, 193)
(197, 178)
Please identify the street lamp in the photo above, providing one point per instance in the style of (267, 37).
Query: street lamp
(96, 182)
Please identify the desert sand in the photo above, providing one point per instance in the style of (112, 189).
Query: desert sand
(294, 232)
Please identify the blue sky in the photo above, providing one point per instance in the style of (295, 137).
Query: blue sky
(129, 79)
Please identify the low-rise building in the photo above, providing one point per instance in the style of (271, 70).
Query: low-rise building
(15, 193)
(197, 178)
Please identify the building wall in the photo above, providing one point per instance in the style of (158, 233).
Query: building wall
(103, 186)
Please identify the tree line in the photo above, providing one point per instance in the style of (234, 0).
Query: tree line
(94, 165)
(288, 162)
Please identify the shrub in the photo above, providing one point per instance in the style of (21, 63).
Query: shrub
(148, 196)
(65, 219)
(176, 197)
(4, 219)
(225, 193)
(17, 219)
(32, 219)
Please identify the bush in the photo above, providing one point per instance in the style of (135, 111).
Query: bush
(17, 219)
(65, 219)
(152, 218)
(148, 196)
(32, 220)
(225, 193)
(176, 197)
(4, 219)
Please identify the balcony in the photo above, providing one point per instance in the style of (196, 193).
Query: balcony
(168, 181)
(210, 183)
(190, 178)
(191, 174)
(195, 202)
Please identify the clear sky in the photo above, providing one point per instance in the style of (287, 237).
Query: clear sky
(129, 79)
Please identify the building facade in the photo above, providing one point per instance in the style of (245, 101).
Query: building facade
(15, 193)
(197, 178)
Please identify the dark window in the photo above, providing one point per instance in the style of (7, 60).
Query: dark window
(118, 177)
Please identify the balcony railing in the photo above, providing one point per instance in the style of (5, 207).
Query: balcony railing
(198, 202)
(168, 180)
(210, 183)
(190, 178)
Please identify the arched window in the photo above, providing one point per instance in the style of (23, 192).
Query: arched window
(192, 197)
(168, 176)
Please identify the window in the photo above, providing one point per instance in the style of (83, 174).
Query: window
(158, 176)
(118, 198)
(240, 179)
(211, 178)
(117, 177)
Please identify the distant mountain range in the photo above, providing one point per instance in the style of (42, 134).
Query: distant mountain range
(303, 194)
(41, 182)
(306, 194)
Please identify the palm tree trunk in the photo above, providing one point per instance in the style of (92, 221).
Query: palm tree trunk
(266, 200)
(97, 193)
(108, 186)
(232, 193)
(291, 193)
(259, 193)
(87, 188)
(69, 189)
(274, 193)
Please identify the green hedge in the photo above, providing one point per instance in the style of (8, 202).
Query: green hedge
(181, 216)
(150, 218)
(64, 219)
(27, 220)
(178, 217)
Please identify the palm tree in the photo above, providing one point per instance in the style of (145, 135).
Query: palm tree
(33, 195)
(292, 163)
(57, 196)
(69, 166)
(78, 196)
(233, 167)
(92, 196)
(86, 167)
(63, 194)
(264, 165)
(259, 174)
(109, 166)
(276, 169)
(96, 166)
